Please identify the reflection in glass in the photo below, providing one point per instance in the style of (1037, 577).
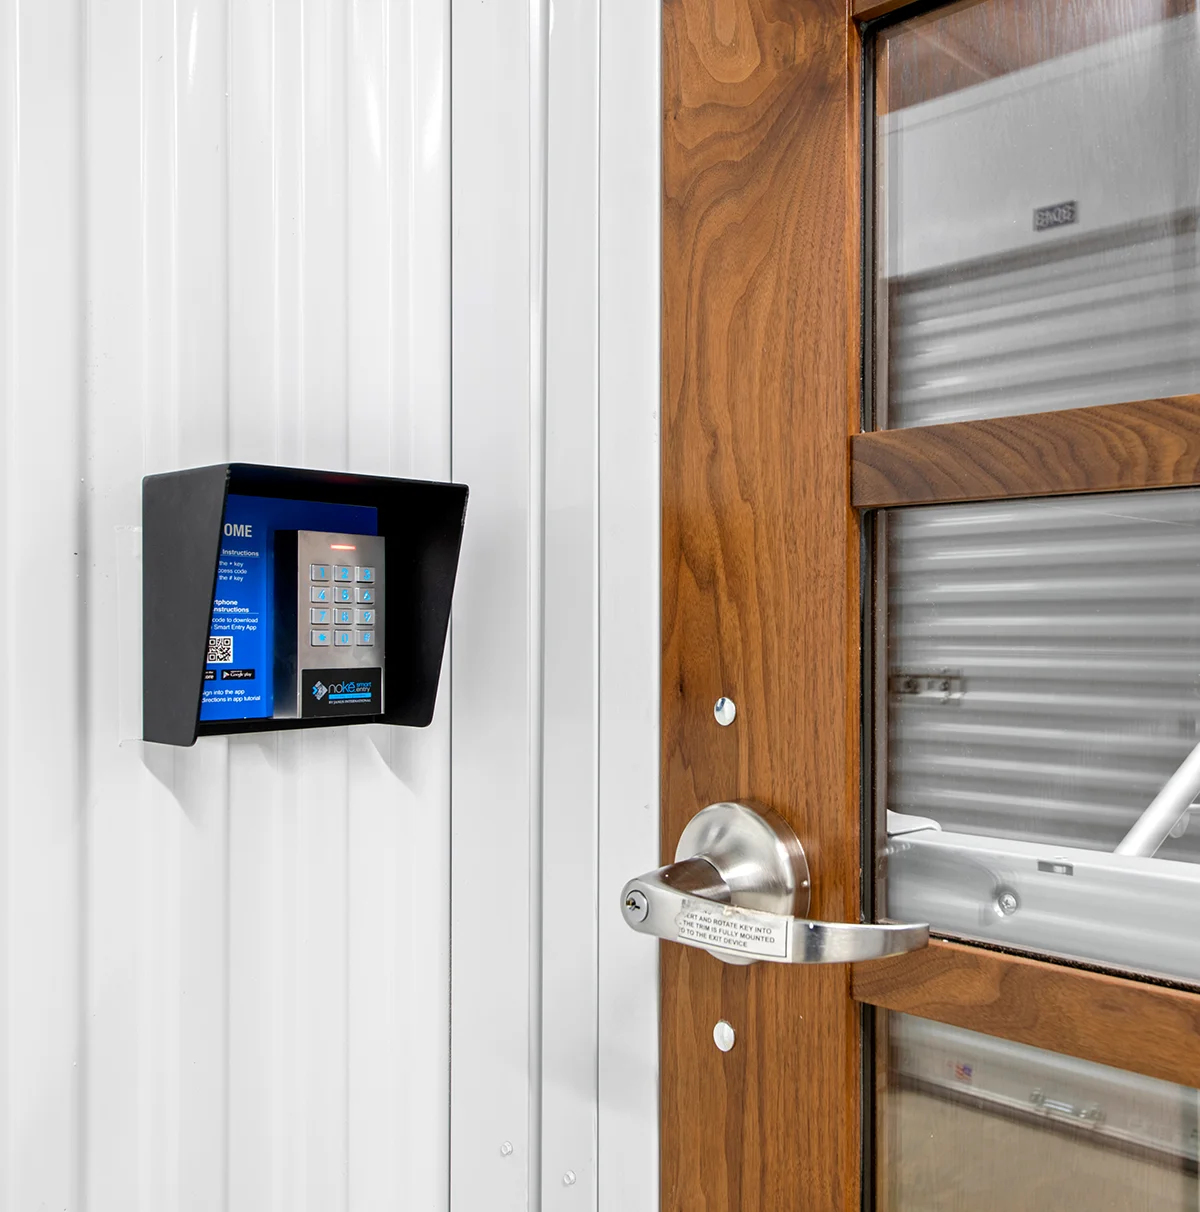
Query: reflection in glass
(1041, 685)
(1038, 186)
(969, 1123)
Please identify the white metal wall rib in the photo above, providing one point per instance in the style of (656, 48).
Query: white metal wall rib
(224, 971)
(497, 428)
(555, 726)
(629, 580)
(225, 235)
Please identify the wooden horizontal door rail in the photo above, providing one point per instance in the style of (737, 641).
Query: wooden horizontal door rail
(1106, 448)
(868, 10)
(1111, 1020)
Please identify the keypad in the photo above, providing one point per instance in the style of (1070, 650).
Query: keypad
(344, 611)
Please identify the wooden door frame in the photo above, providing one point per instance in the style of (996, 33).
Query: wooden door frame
(760, 387)
(764, 477)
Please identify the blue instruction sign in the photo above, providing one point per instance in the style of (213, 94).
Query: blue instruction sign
(239, 669)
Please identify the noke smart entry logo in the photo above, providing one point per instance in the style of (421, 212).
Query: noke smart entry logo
(336, 692)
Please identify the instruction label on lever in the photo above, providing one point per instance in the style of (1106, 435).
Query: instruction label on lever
(731, 929)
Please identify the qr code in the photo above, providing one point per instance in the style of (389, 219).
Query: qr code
(220, 650)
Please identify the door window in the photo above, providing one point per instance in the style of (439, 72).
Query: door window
(1038, 179)
(968, 1121)
(1034, 664)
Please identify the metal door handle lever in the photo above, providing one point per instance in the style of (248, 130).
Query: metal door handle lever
(739, 888)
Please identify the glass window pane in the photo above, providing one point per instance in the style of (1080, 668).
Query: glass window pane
(1038, 185)
(968, 1123)
(1041, 689)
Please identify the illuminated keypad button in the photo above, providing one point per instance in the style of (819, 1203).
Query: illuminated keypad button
(343, 593)
(319, 614)
(320, 593)
(318, 572)
(343, 572)
(365, 618)
(365, 574)
(365, 595)
(320, 639)
(342, 638)
(343, 618)
(365, 639)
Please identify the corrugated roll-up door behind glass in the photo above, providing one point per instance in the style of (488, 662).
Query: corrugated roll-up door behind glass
(1066, 631)
(1101, 320)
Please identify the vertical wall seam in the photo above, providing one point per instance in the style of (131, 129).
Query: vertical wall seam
(448, 677)
(11, 236)
(597, 565)
(276, 246)
(539, 70)
(302, 241)
(82, 578)
(227, 872)
(173, 285)
(228, 190)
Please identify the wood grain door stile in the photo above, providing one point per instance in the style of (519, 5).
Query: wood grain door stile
(760, 557)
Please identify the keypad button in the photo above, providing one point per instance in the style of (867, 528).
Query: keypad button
(343, 572)
(319, 614)
(343, 593)
(318, 572)
(320, 593)
(343, 618)
(320, 639)
(365, 639)
(365, 574)
(365, 595)
(342, 638)
(365, 618)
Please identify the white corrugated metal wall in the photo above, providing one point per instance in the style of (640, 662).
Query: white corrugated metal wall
(555, 771)
(225, 977)
(223, 971)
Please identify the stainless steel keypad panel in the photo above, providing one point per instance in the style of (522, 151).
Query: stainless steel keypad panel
(340, 592)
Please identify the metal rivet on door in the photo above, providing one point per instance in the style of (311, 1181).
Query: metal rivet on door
(725, 710)
(569, 1178)
(506, 1149)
